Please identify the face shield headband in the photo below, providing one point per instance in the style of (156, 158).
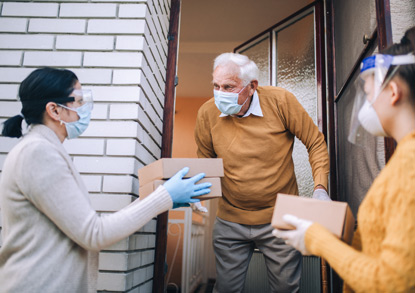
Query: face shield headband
(375, 74)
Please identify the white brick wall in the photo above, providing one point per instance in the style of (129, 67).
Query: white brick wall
(75, 10)
(74, 42)
(117, 48)
(117, 26)
(15, 25)
(11, 58)
(30, 9)
(44, 25)
(10, 41)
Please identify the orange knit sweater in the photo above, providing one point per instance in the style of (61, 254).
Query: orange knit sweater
(382, 256)
(257, 153)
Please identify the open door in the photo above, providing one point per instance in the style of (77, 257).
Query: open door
(290, 54)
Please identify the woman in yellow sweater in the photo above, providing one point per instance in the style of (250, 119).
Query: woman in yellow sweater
(382, 256)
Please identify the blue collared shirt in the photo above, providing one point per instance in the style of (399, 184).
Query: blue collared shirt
(254, 108)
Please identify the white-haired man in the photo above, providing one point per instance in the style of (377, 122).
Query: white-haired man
(252, 129)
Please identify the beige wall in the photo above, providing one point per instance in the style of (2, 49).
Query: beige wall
(184, 145)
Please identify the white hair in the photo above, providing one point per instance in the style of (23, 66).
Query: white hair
(248, 70)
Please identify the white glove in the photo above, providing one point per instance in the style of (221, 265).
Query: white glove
(321, 194)
(197, 206)
(295, 237)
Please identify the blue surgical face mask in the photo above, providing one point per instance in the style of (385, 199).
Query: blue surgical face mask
(227, 103)
(76, 128)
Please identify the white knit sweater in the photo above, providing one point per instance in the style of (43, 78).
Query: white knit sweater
(51, 234)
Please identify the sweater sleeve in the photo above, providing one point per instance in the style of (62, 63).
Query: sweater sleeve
(203, 136)
(302, 126)
(47, 182)
(392, 271)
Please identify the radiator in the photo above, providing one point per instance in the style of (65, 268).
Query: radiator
(257, 275)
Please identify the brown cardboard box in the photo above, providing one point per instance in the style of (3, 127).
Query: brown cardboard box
(215, 189)
(336, 216)
(167, 167)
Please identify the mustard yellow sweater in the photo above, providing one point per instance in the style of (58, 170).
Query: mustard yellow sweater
(382, 256)
(257, 153)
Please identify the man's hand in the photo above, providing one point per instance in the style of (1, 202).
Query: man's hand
(321, 193)
(295, 237)
(197, 206)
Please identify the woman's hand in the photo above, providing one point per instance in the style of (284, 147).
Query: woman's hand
(183, 190)
(295, 237)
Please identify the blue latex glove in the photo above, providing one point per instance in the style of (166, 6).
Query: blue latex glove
(183, 190)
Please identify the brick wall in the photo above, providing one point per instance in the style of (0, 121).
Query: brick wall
(117, 48)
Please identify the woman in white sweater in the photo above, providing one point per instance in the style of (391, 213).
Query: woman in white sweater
(51, 234)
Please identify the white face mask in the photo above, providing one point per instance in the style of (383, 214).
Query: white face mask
(370, 121)
(227, 103)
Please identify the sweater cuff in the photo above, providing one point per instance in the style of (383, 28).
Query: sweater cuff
(321, 242)
(157, 202)
(161, 199)
(321, 179)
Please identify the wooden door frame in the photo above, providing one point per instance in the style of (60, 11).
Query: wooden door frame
(159, 285)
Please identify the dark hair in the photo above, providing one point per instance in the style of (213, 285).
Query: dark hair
(42, 86)
(406, 46)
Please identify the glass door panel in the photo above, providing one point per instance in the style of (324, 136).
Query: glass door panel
(295, 70)
(349, 32)
(355, 176)
(259, 52)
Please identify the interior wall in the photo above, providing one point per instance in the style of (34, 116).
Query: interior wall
(184, 146)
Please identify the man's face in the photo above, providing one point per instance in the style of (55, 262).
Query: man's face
(225, 79)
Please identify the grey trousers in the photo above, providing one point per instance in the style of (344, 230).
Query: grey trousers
(234, 244)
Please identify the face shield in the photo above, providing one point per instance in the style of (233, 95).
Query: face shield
(372, 80)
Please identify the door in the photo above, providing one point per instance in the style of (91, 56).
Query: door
(290, 55)
(349, 40)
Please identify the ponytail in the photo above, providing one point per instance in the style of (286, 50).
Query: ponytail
(12, 127)
(407, 72)
(408, 40)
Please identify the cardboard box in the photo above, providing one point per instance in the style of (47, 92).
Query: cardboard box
(215, 189)
(167, 167)
(336, 216)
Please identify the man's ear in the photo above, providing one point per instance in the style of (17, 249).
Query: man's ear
(254, 85)
(53, 111)
(396, 92)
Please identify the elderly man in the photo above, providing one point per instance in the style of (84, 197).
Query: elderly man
(252, 129)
